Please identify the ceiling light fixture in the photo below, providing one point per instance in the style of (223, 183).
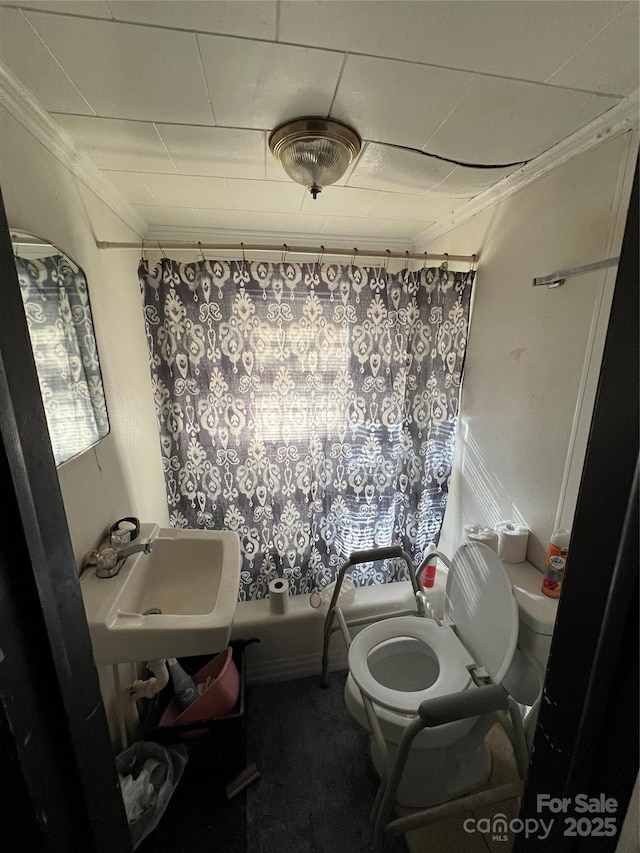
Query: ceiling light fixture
(314, 152)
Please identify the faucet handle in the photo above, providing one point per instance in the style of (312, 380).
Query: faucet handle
(91, 559)
(120, 537)
(129, 523)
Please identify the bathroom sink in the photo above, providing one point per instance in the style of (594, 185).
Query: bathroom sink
(177, 601)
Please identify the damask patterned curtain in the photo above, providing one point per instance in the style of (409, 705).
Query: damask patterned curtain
(56, 304)
(311, 408)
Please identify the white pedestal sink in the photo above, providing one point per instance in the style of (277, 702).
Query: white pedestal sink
(177, 601)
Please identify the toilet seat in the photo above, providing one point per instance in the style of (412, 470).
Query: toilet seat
(453, 660)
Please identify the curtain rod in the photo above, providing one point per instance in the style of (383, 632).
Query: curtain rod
(288, 250)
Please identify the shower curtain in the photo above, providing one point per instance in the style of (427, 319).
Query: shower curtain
(309, 407)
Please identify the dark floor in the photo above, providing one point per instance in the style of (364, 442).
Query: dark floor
(316, 784)
(199, 817)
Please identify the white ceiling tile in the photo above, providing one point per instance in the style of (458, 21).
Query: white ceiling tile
(292, 223)
(26, 57)
(467, 183)
(514, 39)
(362, 228)
(266, 195)
(404, 206)
(610, 62)
(169, 216)
(340, 201)
(217, 151)
(248, 18)
(131, 187)
(446, 214)
(127, 71)
(240, 220)
(504, 121)
(84, 8)
(390, 101)
(262, 84)
(188, 191)
(127, 146)
(382, 167)
(405, 229)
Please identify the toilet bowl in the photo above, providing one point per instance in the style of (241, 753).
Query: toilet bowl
(401, 661)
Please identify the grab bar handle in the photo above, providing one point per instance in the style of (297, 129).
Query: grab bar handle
(459, 706)
(366, 556)
(371, 555)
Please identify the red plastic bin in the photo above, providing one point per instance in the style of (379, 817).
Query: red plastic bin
(218, 699)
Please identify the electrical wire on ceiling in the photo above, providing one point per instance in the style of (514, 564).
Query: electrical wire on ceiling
(449, 160)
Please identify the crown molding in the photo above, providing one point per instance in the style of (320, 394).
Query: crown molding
(621, 118)
(21, 104)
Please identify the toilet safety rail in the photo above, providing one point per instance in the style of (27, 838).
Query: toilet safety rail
(370, 555)
(487, 699)
(373, 555)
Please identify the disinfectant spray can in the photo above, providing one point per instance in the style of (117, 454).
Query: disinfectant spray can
(555, 563)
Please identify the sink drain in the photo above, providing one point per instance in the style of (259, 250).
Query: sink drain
(152, 611)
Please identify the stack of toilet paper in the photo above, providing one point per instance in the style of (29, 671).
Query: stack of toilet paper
(508, 539)
(512, 541)
(479, 533)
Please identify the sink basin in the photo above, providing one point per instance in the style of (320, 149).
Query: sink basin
(177, 601)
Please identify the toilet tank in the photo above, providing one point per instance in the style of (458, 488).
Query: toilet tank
(537, 612)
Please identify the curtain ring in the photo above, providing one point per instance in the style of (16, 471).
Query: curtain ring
(143, 256)
(386, 263)
(285, 249)
(244, 257)
(474, 260)
(162, 250)
(320, 256)
(444, 266)
(201, 252)
(424, 265)
(354, 256)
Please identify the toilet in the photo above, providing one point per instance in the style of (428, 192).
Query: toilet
(401, 661)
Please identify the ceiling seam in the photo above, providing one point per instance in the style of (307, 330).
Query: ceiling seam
(587, 43)
(55, 59)
(204, 78)
(162, 142)
(335, 91)
(307, 46)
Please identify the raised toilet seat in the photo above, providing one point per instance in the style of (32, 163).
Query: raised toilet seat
(399, 662)
(402, 661)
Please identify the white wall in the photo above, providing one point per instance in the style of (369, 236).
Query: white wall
(527, 346)
(122, 474)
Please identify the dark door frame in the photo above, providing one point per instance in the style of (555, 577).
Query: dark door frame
(586, 742)
(62, 791)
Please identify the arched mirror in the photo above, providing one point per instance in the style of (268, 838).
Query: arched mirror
(56, 303)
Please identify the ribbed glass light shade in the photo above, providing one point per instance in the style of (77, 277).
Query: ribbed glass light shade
(314, 152)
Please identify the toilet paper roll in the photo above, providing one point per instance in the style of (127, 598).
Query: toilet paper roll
(480, 533)
(278, 595)
(512, 541)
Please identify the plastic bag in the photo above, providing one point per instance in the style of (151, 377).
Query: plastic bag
(148, 774)
(345, 597)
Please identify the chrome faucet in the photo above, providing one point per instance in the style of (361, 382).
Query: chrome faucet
(109, 560)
